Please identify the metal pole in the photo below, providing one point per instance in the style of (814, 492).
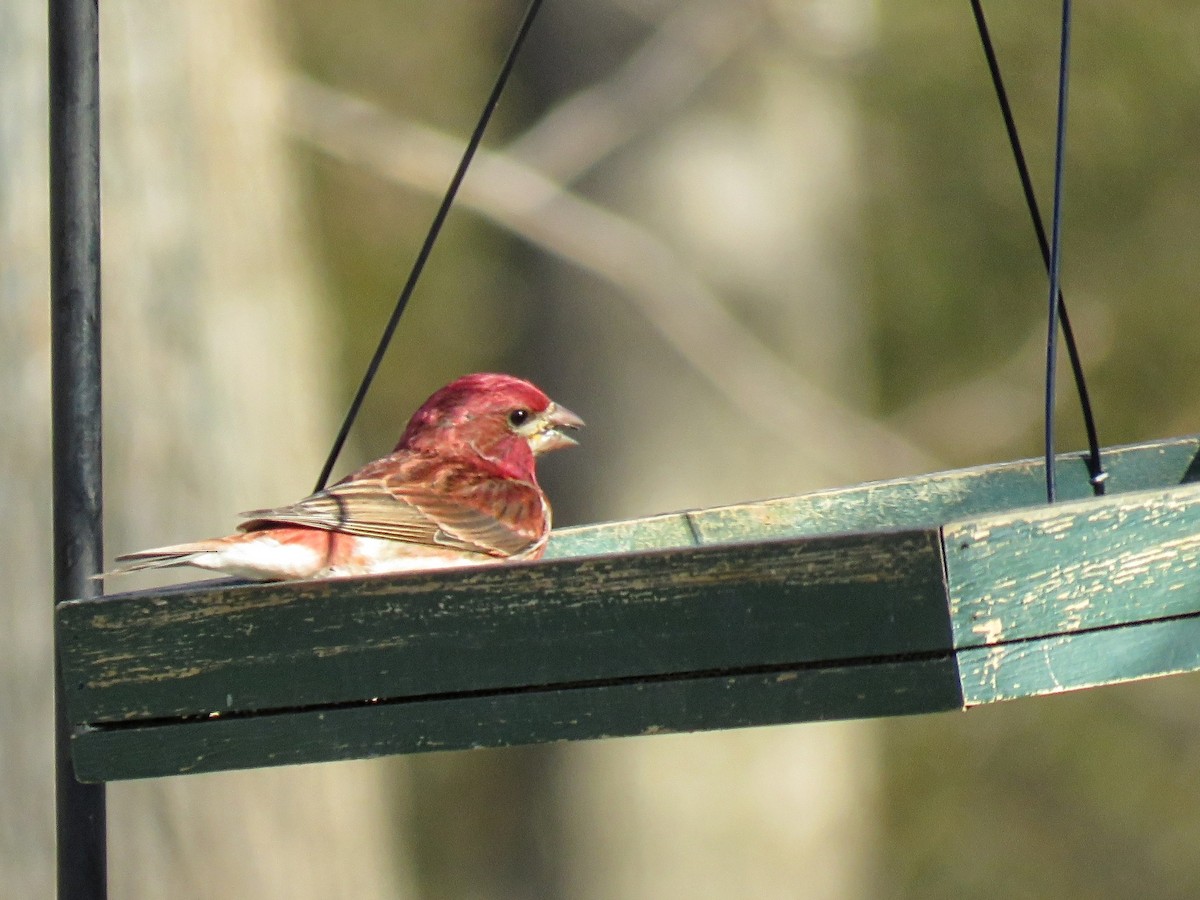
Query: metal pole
(75, 390)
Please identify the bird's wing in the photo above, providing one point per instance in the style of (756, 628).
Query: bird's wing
(423, 500)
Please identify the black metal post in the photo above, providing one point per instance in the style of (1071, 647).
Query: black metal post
(75, 389)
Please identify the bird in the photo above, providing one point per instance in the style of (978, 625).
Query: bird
(459, 489)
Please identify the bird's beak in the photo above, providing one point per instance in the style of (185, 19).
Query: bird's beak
(550, 436)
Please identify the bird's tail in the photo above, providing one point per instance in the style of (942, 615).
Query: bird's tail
(162, 557)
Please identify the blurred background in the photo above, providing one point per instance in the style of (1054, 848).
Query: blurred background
(762, 248)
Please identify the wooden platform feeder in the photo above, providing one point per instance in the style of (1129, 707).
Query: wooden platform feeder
(909, 596)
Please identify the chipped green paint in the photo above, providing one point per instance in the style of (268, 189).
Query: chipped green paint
(1074, 566)
(1068, 662)
(653, 614)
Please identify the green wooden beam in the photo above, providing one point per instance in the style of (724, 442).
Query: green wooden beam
(916, 595)
(497, 719)
(235, 649)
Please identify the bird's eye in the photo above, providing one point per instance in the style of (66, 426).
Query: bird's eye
(518, 417)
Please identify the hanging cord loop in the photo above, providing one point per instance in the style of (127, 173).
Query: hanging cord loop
(1097, 474)
(431, 237)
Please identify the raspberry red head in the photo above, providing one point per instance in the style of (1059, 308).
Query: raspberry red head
(470, 397)
(502, 419)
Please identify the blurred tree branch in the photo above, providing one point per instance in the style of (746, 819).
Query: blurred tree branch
(689, 44)
(676, 301)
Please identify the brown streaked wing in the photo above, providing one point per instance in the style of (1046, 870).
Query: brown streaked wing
(504, 517)
(364, 508)
(425, 501)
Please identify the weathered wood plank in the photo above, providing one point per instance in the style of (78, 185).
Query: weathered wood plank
(1074, 566)
(916, 502)
(581, 712)
(1067, 662)
(253, 647)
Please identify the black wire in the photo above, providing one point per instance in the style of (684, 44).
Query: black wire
(1097, 475)
(1064, 56)
(435, 228)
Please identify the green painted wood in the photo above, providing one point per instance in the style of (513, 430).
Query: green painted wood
(253, 647)
(1074, 566)
(1067, 662)
(639, 708)
(916, 502)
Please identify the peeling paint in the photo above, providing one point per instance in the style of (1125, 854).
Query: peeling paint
(992, 631)
(145, 677)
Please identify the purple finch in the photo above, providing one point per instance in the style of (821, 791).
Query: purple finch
(459, 489)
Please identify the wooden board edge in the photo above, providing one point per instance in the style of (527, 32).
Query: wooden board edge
(1070, 662)
(903, 687)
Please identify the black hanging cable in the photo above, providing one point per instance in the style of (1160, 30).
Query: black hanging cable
(1097, 475)
(1064, 56)
(435, 228)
